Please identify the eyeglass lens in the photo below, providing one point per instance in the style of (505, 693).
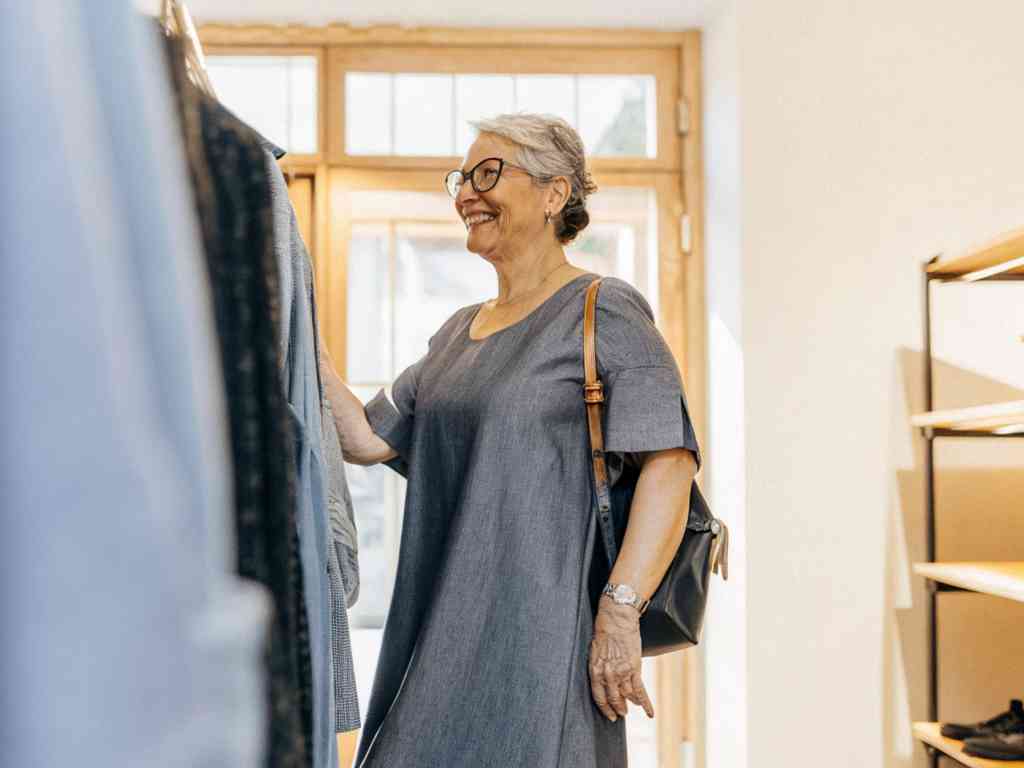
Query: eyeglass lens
(484, 176)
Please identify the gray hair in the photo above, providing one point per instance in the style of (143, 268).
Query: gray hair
(549, 147)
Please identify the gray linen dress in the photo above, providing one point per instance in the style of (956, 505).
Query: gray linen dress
(484, 658)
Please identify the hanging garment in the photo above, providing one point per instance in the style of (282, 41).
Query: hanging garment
(484, 658)
(234, 209)
(301, 374)
(346, 699)
(339, 505)
(127, 640)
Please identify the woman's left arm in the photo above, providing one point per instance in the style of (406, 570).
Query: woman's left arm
(657, 522)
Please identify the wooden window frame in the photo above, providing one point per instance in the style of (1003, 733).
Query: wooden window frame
(681, 268)
(662, 63)
(317, 52)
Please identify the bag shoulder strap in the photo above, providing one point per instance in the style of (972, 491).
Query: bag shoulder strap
(593, 396)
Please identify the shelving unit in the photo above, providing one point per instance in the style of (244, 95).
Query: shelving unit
(1004, 579)
(998, 420)
(1001, 258)
(930, 734)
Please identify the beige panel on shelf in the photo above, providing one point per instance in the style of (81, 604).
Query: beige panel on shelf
(930, 733)
(999, 579)
(1000, 251)
(979, 652)
(997, 418)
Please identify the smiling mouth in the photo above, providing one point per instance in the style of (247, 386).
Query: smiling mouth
(478, 219)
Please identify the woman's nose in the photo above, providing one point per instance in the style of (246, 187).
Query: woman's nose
(466, 194)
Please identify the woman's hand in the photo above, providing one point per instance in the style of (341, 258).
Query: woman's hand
(615, 658)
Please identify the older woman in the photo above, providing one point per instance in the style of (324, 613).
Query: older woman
(493, 655)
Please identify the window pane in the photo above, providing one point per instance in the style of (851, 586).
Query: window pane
(435, 276)
(548, 95)
(368, 99)
(617, 115)
(369, 305)
(377, 497)
(303, 93)
(478, 97)
(423, 115)
(276, 95)
(622, 239)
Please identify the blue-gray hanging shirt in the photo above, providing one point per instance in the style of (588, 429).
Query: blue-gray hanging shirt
(302, 389)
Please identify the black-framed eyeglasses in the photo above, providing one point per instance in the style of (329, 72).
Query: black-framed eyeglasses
(483, 176)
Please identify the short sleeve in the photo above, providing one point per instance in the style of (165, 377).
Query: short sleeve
(645, 405)
(393, 421)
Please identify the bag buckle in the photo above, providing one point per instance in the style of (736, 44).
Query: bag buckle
(593, 393)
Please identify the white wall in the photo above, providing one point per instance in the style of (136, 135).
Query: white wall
(725, 637)
(873, 135)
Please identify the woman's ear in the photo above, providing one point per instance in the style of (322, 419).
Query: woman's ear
(558, 194)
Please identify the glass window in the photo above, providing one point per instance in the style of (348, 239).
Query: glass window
(424, 120)
(547, 95)
(622, 239)
(617, 117)
(371, 337)
(276, 95)
(435, 276)
(478, 97)
(368, 123)
(429, 114)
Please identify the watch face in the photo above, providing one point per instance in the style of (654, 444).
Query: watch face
(623, 594)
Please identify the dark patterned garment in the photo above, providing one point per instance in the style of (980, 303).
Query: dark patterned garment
(233, 200)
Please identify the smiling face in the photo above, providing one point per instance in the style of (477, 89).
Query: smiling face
(500, 221)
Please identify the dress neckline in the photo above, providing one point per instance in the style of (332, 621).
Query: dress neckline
(526, 317)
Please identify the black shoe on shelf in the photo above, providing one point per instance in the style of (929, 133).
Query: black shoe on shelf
(1010, 721)
(1005, 746)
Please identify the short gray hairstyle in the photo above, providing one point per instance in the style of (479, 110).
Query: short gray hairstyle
(549, 147)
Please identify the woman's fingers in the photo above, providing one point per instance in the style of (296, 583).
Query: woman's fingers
(597, 689)
(626, 686)
(640, 697)
(612, 678)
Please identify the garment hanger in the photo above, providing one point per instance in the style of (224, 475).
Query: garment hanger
(176, 20)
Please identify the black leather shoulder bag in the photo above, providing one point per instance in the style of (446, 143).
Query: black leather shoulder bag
(675, 614)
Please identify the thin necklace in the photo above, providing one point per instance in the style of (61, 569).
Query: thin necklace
(532, 290)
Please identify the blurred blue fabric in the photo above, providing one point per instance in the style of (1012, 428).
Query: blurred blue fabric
(125, 638)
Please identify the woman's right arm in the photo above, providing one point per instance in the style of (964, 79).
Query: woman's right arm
(359, 443)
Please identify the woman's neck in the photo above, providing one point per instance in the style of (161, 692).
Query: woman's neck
(521, 274)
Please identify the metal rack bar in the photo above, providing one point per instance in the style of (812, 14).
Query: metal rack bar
(930, 434)
(929, 474)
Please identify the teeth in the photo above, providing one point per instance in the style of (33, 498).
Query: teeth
(478, 218)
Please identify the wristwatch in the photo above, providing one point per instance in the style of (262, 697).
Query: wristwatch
(623, 594)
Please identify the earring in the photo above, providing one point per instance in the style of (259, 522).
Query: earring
(547, 217)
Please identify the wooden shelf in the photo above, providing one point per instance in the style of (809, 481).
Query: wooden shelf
(995, 419)
(1002, 579)
(1003, 255)
(930, 734)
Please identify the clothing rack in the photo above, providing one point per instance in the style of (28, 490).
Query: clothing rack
(1000, 259)
(176, 20)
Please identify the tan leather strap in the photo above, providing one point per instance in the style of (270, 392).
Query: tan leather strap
(593, 396)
